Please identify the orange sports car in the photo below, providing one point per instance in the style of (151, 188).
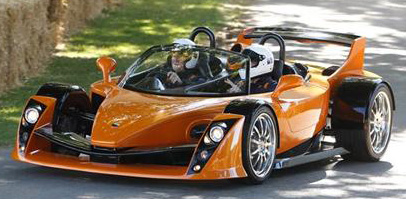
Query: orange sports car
(193, 112)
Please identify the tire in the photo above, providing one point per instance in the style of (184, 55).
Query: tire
(258, 152)
(371, 142)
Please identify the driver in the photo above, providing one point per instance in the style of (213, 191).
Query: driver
(183, 61)
(262, 62)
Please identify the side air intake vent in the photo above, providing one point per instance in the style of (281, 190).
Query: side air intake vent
(96, 101)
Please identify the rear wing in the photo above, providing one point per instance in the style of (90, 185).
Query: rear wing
(354, 64)
(301, 35)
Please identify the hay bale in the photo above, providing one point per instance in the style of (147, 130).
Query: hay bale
(73, 15)
(3, 47)
(30, 30)
(56, 18)
(78, 12)
(24, 39)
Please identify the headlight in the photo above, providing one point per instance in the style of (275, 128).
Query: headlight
(217, 132)
(31, 115)
(211, 140)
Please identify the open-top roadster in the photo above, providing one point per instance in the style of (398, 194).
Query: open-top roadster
(184, 111)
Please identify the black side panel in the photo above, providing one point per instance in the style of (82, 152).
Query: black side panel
(297, 150)
(244, 107)
(57, 90)
(350, 104)
(64, 93)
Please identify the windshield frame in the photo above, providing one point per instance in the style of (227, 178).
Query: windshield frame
(153, 49)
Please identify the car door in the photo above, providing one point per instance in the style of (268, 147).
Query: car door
(304, 104)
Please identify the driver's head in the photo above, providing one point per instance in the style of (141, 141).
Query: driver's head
(183, 57)
(179, 59)
(262, 59)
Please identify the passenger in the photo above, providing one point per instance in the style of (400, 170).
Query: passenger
(234, 64)
(262, 62)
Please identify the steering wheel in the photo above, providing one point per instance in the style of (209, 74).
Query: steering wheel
(206, 31)
(153, 81)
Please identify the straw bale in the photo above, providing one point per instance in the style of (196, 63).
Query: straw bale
(24, 42)
(30, 30)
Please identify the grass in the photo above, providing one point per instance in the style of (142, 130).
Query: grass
(122, 34)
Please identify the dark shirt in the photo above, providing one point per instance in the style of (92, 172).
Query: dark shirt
(263, 84)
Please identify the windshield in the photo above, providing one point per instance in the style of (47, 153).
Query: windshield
(188, 71)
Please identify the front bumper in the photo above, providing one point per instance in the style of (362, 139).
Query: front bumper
(48, 159)
(225, 162)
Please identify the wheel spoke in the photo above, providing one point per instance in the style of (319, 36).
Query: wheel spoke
(373, 138)
(371, 123)
(257, 142)
(257, 131)
(270, 131)
(378, 139)
(256, 160)
(262, 127)
(255, 152)
(268, 151)
(266, 132)
(259, 165)
(372, 131)
(386, 110)
(373, 110)
(380, 104)
(268, 144)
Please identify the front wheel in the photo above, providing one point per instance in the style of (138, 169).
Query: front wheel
(259, 145)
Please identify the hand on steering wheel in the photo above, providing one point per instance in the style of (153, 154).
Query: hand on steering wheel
(235, 88)
(173, 78)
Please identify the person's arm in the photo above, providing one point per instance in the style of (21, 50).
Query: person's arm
(235, 88)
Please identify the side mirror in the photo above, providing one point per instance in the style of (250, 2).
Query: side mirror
(106, 65)
(287, 82)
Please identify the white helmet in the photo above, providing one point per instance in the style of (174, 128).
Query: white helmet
(184, 42)
(262, 60)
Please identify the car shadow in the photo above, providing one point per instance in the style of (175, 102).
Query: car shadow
(331, 177)
(299, 175)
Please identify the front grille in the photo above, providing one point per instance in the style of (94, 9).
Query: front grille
(74, 145)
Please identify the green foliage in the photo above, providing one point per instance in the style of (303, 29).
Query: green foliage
(122, 34)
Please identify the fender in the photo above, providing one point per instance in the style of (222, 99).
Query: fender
(246, 107)
(63, 92)
(350, 104)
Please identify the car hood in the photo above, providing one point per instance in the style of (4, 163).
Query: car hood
(131, 119)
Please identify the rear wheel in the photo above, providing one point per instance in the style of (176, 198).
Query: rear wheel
(259, 145)
(370, 144)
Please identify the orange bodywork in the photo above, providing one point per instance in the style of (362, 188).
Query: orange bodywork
(146, 121)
